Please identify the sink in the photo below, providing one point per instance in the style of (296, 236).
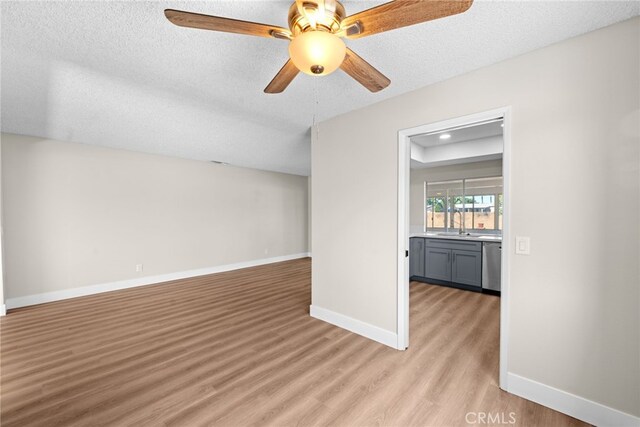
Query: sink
(489, 237)
(470, 236)
(464, 236)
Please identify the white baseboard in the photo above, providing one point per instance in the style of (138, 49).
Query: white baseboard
(3, 310)
(356, 326)
(570, 404)
(139, 281)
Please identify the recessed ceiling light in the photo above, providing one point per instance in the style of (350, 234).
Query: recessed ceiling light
(502, 125)
(445, 136)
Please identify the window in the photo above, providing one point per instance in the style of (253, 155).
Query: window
(441, 201)
(472, 205)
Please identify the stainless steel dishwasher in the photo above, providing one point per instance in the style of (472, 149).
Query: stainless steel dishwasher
(491, 263)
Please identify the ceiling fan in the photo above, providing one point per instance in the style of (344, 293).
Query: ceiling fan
(316, 29)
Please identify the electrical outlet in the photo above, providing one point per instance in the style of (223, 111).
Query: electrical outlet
(139, 268)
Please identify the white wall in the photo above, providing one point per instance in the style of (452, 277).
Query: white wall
(2, 302)
(574, 302)
(78, 215)
(309, 239)
(444, 173)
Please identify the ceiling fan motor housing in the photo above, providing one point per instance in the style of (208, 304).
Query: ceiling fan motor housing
(330, 20)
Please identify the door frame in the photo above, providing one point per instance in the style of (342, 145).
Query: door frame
(404, 173)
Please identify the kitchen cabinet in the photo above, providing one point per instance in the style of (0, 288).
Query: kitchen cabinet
(453, 261)
(438, 264)
(416, 257)
(466, 267)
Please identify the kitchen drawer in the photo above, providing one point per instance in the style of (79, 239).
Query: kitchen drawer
(454, 245)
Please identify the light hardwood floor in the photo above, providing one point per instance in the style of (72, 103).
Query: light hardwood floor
(239, 348)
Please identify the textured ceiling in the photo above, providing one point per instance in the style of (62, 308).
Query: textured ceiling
(118, 74)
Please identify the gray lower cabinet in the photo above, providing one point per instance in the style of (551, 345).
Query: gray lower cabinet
(416, 257)
(438, 264)
(453, 261)
(466, 267)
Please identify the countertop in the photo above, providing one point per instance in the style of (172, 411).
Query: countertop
(472, 238)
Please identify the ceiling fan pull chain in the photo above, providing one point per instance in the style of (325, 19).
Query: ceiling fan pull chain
(315, 103)
(315, 128)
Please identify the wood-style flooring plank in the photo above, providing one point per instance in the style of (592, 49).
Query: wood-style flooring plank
(239, 348)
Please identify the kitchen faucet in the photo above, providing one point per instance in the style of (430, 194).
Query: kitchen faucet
(461, 230)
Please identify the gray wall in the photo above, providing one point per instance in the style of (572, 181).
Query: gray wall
(574, 302)
(77, 215)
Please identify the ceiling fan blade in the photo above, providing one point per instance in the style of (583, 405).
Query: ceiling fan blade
(402, 13)
(227, 25)
(364, 72)
(283, 78)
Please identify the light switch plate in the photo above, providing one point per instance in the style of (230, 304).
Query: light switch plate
(523, 245)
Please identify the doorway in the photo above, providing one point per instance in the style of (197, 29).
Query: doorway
(404, 162)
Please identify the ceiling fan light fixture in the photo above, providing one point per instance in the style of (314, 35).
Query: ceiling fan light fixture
(317, 53)
(315, 28)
